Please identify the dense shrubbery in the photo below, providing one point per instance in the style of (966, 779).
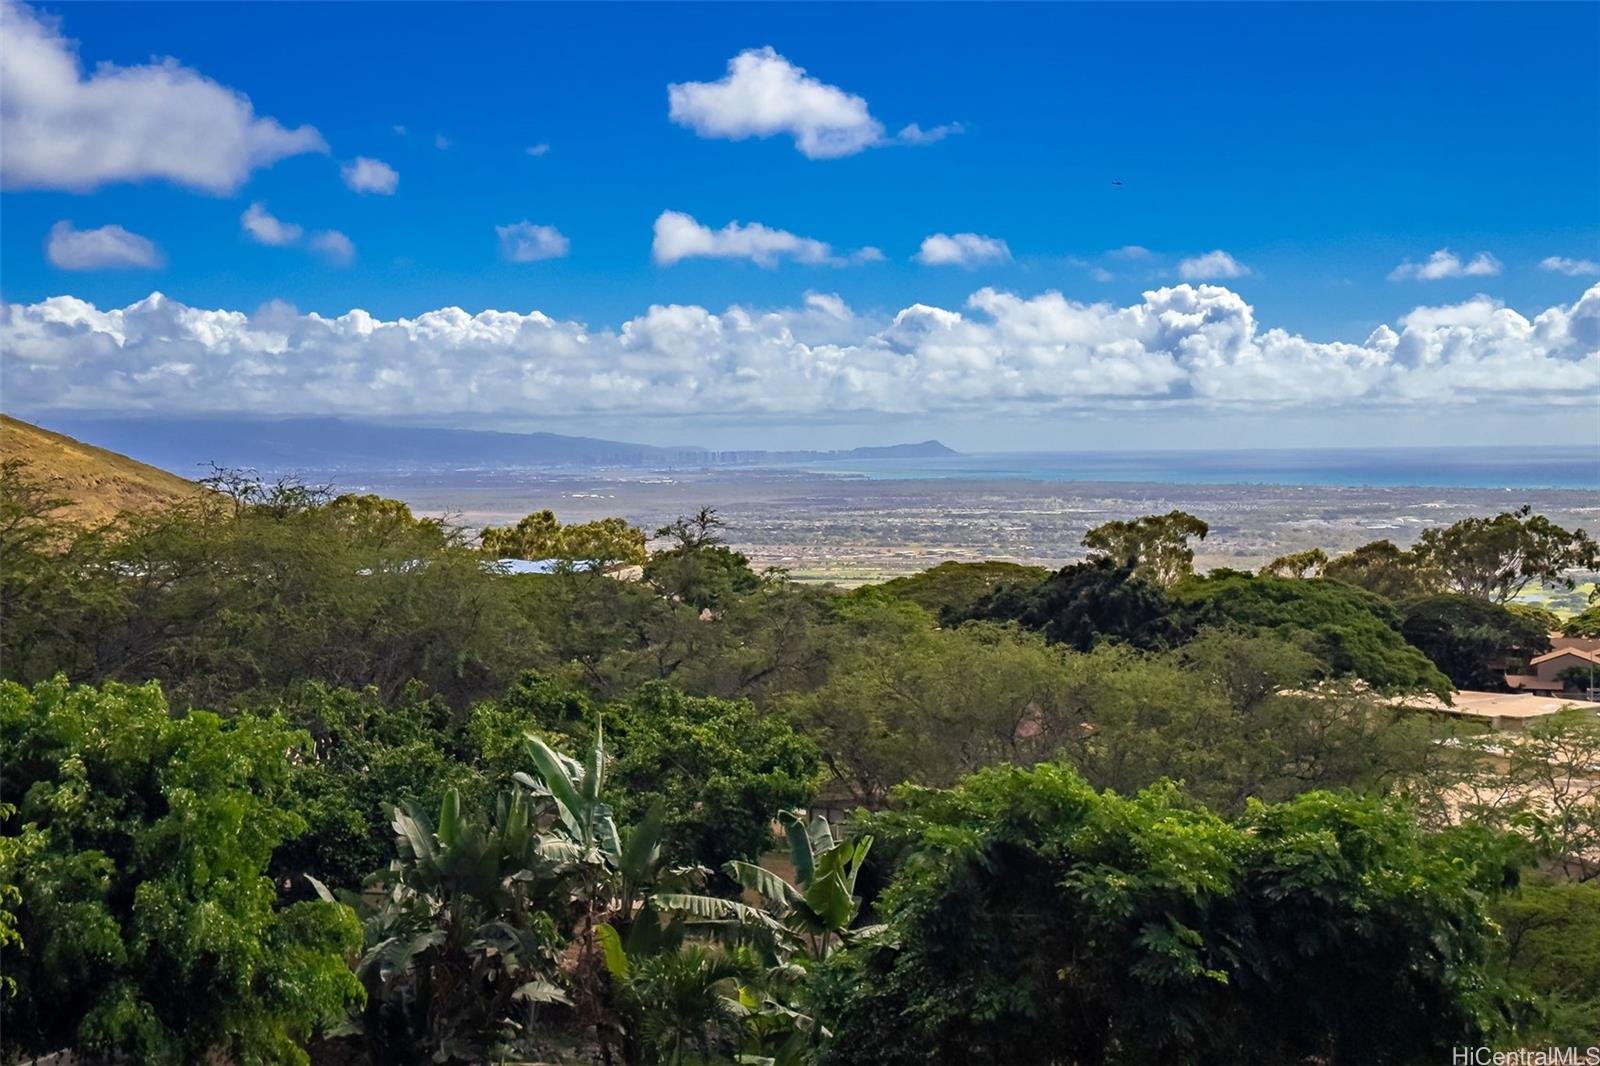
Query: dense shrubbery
(1042, 914)
(442, 812)
(146, 920)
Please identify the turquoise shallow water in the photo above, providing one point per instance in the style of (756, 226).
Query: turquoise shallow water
(1528, 467)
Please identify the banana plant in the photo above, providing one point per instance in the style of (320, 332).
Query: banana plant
(588, 830)
(458, 936)
(809, 916)
(616, 872)
(796, 927)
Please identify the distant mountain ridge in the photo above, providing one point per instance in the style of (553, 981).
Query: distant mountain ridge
(190, 444)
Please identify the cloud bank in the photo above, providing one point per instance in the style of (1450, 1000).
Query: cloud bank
(1182, 347)
(65, 130)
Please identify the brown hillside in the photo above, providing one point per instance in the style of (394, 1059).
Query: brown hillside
(100, 483)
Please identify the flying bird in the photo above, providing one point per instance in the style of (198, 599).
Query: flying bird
(1116, 183)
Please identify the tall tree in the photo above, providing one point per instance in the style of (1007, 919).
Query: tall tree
(1157, 545)
(1308, 563)
(1471, 640)
(697, 568)
(1383, 568)
(1496, 558)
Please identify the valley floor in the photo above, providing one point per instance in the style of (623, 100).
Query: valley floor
(850, 530)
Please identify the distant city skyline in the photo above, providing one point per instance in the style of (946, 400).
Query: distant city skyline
(1007, 227)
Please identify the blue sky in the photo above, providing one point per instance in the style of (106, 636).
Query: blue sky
(1319, 146)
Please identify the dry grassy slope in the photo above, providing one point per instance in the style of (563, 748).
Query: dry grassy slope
(100, 483)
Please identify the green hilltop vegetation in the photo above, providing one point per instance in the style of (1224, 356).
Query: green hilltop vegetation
(296, 777)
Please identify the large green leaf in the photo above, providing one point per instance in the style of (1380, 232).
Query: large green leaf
(800, 851)
(449, 818)
(540, 992)
(763, 882)
(643, 848)
(830, 898)
(716, 909)
(553, 772)
(821, 833)
(611, 946)
(604, 828)
(594, 771)
(556, 850)
(412, 827)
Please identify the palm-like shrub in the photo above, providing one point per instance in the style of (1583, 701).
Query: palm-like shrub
(461, 950)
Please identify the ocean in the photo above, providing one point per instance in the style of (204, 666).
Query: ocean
(1521, 467)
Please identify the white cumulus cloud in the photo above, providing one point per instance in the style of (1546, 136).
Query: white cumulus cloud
(1182, 347)
(678, 237)
(335, 245)
(1446, 264)
(962, 249)
(365, 175)
(764, 94)
(1210, 267)
(1572, 268)
(524, 242)
(266, 228)
(108, 247)
(63, 129)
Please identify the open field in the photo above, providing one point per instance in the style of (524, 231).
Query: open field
(851, 529)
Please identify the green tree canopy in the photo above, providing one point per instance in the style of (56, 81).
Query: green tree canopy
(603, 544)
(950, 591)
(721, 768)
(697, 568)
(1585, 624)
(1085, 603)
(1496, 558)
(1546, 619)
(1044, 922)
(148, 924)
(1551, 945)
(254, 588)
(1471, 639)
(1308, 563)
(366, 757)
(1157, 545)
(1355, 633)
(1383, 568)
